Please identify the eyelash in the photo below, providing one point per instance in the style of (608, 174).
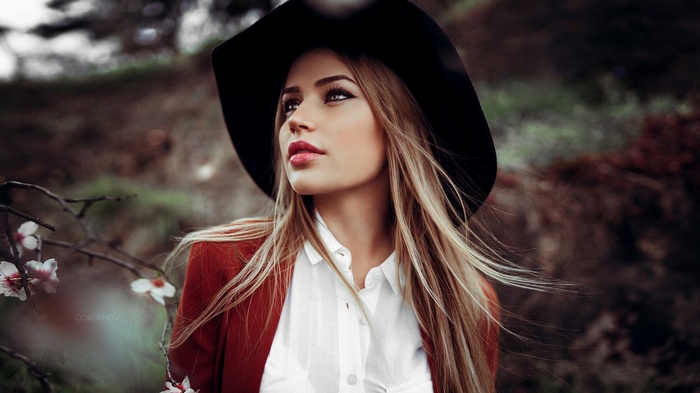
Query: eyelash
(287, 102)
(333, 90)
(330, 91)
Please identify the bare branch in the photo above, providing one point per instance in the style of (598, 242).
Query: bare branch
(10, 238)
(100, 198)
(631, 177)
(94, 254)
(23, 279)
(88, 202)
(26, 216)
(32, 366)
(79, 217)
(90, 238)
(65, 205)
(163, 347)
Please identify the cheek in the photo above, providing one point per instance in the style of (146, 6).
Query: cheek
(363, 129)
(376, 156)
(368, 147)
(375, 140)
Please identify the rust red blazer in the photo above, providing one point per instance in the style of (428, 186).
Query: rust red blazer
(229, 353)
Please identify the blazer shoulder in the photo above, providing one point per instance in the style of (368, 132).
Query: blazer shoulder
(226, 248)
(223, 256)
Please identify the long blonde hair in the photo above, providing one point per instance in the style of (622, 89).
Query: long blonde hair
(443, 262)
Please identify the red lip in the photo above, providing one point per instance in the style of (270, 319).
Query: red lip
(301, 146)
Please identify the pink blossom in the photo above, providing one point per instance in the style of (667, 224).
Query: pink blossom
(25, 238)
(43, 275)
(183, 387)
(10, 281)
(157, 288)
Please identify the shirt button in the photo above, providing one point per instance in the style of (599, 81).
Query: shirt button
(377, 274)
(351, 379)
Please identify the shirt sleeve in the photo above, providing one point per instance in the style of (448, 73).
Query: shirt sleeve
(199, 357)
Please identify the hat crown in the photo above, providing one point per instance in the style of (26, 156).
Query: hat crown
(251, 68)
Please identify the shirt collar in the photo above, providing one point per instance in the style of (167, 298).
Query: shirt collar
(327, 238)
(388, 267)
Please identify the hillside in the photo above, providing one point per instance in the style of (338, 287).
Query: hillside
(621, 225)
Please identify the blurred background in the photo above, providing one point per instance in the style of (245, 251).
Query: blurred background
(594, 106)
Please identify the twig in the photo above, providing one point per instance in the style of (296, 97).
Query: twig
(100, 198)
(90, 236)
(79, 217)
(33, 368)
(88, 202)
(631, 177)
(27, 217)
(161, 345)
(23, 279)
(94, 254)
(65, 205)
(10, 238)
(139, 261)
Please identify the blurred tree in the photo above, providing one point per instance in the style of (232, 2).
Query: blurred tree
(152, 25)
(435, 7)
(139, 25)
(650, 46)
(141, 29)
(647, 44)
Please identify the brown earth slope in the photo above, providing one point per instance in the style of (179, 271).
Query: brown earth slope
(623, 226)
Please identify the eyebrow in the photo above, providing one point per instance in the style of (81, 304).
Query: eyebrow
(319, 83)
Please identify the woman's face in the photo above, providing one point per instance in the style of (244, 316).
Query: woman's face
(330, 140)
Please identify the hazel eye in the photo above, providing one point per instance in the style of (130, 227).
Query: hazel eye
(337, 95)
(289, 105)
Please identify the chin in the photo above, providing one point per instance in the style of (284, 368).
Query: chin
(312, 188)
(304, 187)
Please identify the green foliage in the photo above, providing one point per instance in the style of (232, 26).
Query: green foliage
(146, 219)
(521, 98)
(540, 122)
(458, 8)
(129, 74)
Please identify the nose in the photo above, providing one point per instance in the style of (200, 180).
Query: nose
(300, 120)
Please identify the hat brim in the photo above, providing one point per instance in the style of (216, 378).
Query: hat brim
(251, 68)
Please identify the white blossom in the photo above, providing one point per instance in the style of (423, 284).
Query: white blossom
(157, 288)
(10, 281)
(43, 275)
(183, 387)
(25, 238)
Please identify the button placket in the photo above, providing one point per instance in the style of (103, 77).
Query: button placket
(350, 345)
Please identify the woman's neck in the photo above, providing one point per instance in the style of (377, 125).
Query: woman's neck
(360, 222)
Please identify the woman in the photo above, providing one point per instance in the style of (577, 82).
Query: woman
(366, 276)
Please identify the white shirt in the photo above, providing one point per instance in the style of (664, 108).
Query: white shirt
(323, 344)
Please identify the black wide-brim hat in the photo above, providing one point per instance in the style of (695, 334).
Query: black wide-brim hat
(251, 69)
